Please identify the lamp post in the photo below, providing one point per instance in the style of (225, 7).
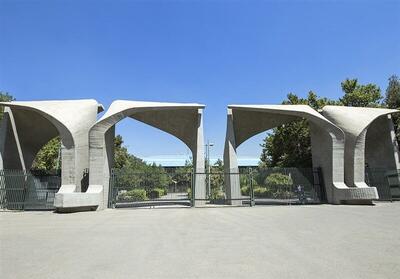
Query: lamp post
(208, 145)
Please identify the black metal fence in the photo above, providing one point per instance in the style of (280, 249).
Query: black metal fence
(216, 191)
(22, 190)
(387, 182)
(288, 186)
(129, 188)
(257, 186)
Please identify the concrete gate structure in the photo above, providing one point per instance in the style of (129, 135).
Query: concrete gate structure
(327, 139)
(370, 140)
(28, 125)
(343, 139)
(184, 121)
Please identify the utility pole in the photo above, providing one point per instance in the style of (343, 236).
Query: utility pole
(208, 145)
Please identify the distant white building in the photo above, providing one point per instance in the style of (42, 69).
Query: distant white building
(171, 161)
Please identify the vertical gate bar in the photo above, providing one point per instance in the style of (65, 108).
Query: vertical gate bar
(252, 202)
(193, 188)
(25, 189)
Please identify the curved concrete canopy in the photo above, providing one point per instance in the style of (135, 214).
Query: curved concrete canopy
(173, 118)
(271, 116)
(245, 121)
(183, 121)
(355, 123)
(31, 124)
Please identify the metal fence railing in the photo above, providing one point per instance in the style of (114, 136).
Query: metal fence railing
(387, 182)
(22, 190)
(25, 190)
(216, 188)
(257, 186)
(286, 186)
(130, 188)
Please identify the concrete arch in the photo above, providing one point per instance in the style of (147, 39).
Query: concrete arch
(245, 121)
(19, 147)
(28, 125)
(384, 155)
(375, 123)
(184, 121)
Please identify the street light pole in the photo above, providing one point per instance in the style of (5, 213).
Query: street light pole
(208, 145)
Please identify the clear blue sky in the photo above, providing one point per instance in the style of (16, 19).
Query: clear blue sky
(211, 52)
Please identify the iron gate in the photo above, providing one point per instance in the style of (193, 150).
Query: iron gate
(387, 182)
(129, 188)
(22, 190)
(257, 186)
(286, 186)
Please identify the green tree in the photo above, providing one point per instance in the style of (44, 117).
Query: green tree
(279, 185)
(121, 154)
(276, 180)
(357, 95)
(48, 158)
(182, 176)
(289, 145)
(4, 97)
(392, 101)
(133, 173)
(217, 180)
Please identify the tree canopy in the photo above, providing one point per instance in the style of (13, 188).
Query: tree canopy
(5, 97)
(289, 145)
(357, 95)
(392, 100)
(48, 158)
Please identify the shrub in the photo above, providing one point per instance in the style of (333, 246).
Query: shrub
(156, 193)
(261, 192)
(279, 185)
(245, 190)
(189, 192)
(134, 195)
(278, 181)
(217, 194)
(282, 195)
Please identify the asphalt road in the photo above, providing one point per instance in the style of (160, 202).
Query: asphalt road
(322, 241)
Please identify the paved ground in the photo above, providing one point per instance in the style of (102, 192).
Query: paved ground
(260, 242)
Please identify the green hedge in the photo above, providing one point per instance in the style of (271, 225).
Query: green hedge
(134, 195)
(245, 190)
(156, 193)
(261, 192)
(217, 194)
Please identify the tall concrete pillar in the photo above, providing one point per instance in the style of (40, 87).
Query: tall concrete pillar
(199, 162)
(232, 177)
(355, 123)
